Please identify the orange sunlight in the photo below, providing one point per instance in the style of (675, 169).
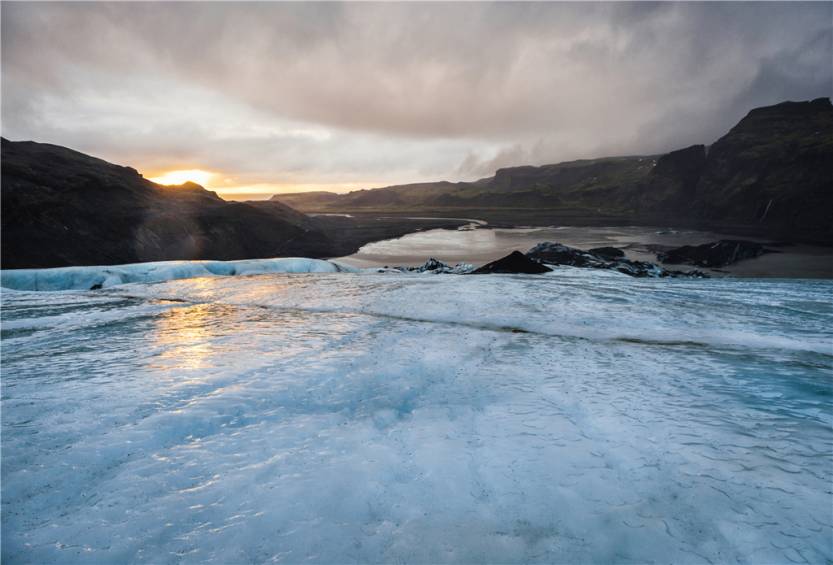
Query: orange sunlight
(178, 177)
(230, 187)
(260, 191)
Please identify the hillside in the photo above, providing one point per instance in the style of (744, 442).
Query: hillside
(774, 168)
(61, 207)
(770, 174)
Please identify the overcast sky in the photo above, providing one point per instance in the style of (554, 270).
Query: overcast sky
(275, 97)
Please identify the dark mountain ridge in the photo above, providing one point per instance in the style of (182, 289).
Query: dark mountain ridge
(61, 207)
(770, 174)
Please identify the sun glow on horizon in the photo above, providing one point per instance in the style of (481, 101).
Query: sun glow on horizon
(264, 190)
(182, 176)
(232, 187)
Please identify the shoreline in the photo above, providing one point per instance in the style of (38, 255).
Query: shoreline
(366, 240)
(482, 244)
(544, 217)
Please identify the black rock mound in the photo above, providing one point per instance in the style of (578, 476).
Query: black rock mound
(515, 262)
(559, 254)
(609, 253)
(432, 265)
(436, 266)
(718, 254)
(608, 258)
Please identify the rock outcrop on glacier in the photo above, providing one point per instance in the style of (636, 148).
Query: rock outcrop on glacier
(515, 262)
(716, 254)
(545, 256)
(433, 265)
(558, 254)
(610, 253)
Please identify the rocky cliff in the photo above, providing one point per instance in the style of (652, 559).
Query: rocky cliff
(771, 174)
(61, 207)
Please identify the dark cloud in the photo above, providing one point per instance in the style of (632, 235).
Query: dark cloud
(330, 90)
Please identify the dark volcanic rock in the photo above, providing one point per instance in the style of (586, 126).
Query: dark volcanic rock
(515, 262)
(558, 254)
(685, 165)
(643, 269)
(432, 265)
(600, 258)
(438, 267)
(61, 207)
(717, 254)
(773, 170)
(610, 253)
(670, 187)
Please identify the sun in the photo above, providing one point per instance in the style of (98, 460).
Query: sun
(178, 177)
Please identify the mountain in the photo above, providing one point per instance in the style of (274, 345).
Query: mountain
(61, 207)
(515, 187)
(770, 174)
(774, 168)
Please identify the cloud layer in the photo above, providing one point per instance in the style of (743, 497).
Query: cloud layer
(347, 95)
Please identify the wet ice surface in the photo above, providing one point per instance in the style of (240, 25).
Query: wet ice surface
(573, 417)
(106, 276)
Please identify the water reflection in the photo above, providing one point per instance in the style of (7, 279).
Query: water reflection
(272, 316)
(185, 337)
(487, 244)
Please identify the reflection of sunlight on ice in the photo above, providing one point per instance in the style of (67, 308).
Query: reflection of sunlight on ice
(273, 317)
(185, 335)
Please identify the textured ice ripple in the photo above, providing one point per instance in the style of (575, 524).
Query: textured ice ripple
(105, 276)
(354, 417)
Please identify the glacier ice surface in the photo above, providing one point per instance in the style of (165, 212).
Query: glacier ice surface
(574, 417)
(104, 276)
